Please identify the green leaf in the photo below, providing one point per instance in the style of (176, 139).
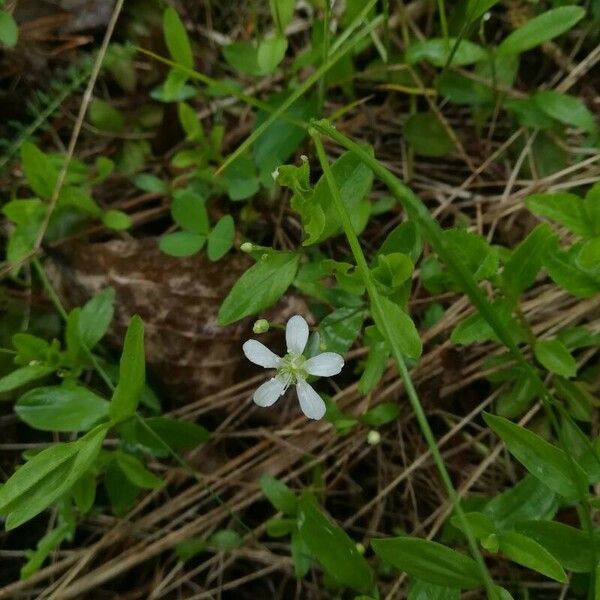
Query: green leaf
(404, 238)
(555, 357)
(84, 492)
(9, 32)
(48, 476)
(542, 28)
(399, 327)
(23, 376)
(121, 492)
(332, 548)
(46, 544)
(176, 38)
(39, 171)
(392, 270)
(136, 472)
(525, 261)
(588, 258)
(301, 556)
(95, 317)
(243, 57)
(571, 547)
(190, 548)
(479, 523)
(429, 561)
(150, 183)
(527, 552)
(241, 178)
(220, 239)
(566, 109)
(116, 220)
(379, 415)
(182, 243)
(282, 12)
(377, 359)
(561, 207)
(270, 53)
(354, 181)
(281, 139)
(106, 117)
(475, 252)
(421, 590)
(167, 434)
(437, 51)
(225, 540)
(188, 210)
(279, 495)
(61, 408)
(131, 373)
(528, 499)
(591, 202)
(428, 137)
(476, 329)
(79, 199)
(280, 527)
(259, 287)
(190, 122)
(562, 268)
(340, 329)
(543, 460)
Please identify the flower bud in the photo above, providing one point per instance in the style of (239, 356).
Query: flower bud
(360, 547)
(260, 326)
(373, 437)
(275, 174)
(246, 247)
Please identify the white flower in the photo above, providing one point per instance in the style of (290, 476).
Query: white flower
(293, 368)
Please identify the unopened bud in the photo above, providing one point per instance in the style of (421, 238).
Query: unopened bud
(275, 174)
(360, 548)
(373, 437)
(246, 247)
(260, 326)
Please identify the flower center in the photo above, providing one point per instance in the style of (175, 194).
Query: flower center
(292, 366)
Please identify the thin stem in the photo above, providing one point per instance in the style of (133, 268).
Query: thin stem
(326, 36)
(419, 213)
(443, 21)
(415, 403)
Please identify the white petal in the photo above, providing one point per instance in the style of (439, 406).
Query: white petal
(259, 354)
(296, 334)
(324, 365)
(270, 391)
(311, 403)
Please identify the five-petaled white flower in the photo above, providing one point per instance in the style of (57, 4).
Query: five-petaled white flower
(293, 368)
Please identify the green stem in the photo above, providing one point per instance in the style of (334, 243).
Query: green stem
(415, 403)
(326, 35)
(419, 213)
